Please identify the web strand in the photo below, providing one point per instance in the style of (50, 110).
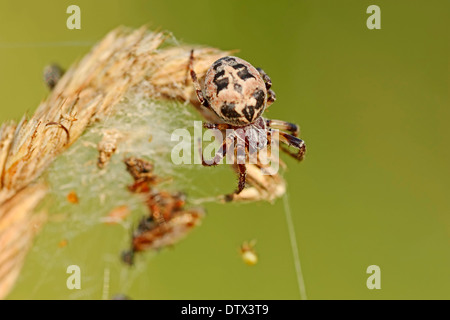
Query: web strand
(15, 45)
(293, 239)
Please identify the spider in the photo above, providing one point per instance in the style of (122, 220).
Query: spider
(238, 94)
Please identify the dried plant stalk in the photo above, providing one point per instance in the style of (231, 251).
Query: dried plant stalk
(123, 60)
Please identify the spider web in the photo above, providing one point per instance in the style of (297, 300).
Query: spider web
(145, 128)
(294, 247)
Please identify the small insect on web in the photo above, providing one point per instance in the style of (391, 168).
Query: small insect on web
(248, 253)
(52, 74)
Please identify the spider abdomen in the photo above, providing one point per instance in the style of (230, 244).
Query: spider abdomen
(235, 90)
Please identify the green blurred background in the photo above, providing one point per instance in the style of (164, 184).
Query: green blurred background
(373, 106)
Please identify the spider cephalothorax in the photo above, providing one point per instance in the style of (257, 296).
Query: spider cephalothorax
(238, 93)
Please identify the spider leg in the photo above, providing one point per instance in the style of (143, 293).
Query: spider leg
(241, 151)
(294, 142)
(242, 170)
(198, 88)
(271, 97)
(283, 125)
(219, 126)
(242, 174)
(220, 153)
